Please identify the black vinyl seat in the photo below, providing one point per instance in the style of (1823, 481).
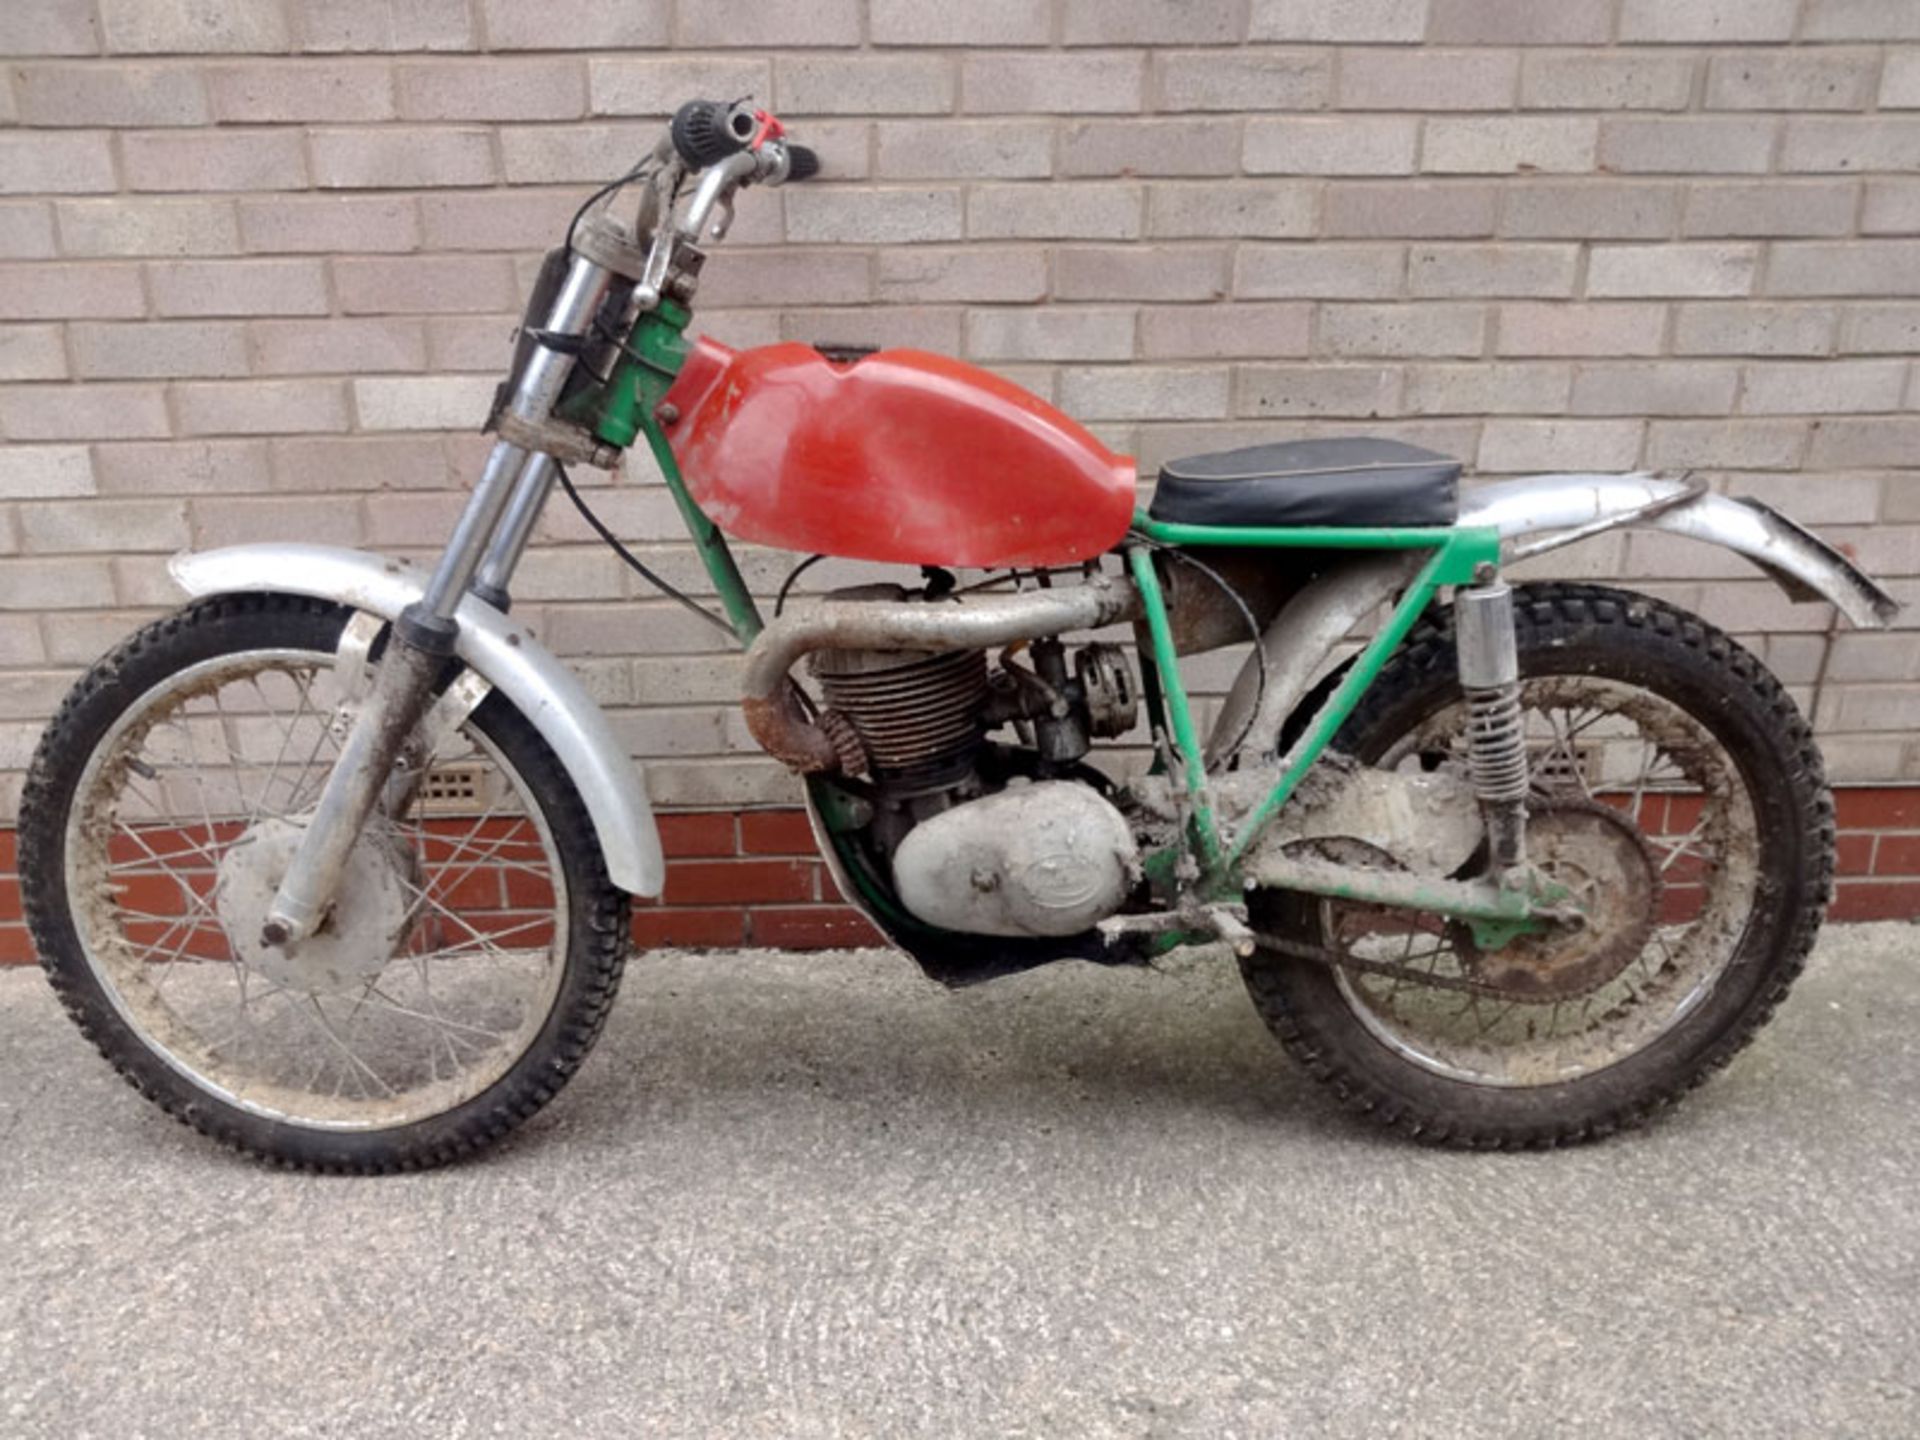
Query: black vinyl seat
(1346, 482)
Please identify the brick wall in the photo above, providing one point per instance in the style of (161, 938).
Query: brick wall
(753, 878)
(260, 259)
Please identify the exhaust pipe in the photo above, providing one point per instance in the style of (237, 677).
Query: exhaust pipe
(772, 703)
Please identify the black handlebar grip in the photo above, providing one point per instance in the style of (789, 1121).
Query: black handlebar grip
(802, 163)
(708, 131)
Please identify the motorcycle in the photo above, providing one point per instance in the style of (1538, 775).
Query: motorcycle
(335, 863)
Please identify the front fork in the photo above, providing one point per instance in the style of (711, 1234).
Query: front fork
(485, 546)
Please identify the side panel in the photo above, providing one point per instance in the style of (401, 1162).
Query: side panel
(901, 456)
(506, 654)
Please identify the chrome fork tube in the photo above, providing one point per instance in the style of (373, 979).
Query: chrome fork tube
(422, 639)
(533, 400)
(580, 295)
(470, 535)
(514, 530)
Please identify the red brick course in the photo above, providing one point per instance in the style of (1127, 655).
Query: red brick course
(753, 879)
(1879, 853)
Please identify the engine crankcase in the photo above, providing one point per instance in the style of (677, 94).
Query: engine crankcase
(1048, 858)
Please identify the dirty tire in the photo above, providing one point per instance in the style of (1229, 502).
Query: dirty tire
(598, 912)
(1566, 629)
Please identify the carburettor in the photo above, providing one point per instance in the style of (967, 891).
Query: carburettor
(1061, 713)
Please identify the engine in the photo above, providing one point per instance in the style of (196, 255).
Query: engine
(983, 837)
(1043, 857)
(907, 715)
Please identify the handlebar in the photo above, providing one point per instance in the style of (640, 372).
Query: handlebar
(726, 145)
(802, 163)
(730, 146)
(703, 133)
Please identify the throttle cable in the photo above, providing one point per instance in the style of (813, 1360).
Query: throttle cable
(633, 561)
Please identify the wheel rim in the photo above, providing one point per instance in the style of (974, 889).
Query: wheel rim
(1591, 739)
(231, 752)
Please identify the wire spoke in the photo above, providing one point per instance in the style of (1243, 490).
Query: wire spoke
(297, 793)
(1593, 738)
(488, 943)
(353, 1056)
(159, 858)
(170, 962)
(470, 840)
(377, 999)
(185, 727)
(246, 738)
(304, 687)
(204, 904)
(421, 964)
(484, 943)
(244, 1023)
(1684, 845)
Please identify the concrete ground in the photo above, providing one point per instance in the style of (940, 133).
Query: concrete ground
(813, 1195)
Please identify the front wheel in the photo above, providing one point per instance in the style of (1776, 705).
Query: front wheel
(468, 962)
(1676, 788)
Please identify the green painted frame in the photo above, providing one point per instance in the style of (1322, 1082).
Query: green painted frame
(1458, 555)
(626, 409)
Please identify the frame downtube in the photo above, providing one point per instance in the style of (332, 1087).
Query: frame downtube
(1186, 738)
(628, 406)
(721, 568)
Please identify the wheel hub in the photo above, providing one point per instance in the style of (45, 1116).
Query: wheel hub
(1599, 855)
(367, 925)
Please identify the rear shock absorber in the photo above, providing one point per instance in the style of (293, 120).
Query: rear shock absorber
(1496, 728)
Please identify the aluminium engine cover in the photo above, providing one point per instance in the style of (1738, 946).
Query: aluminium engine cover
(1047, 858)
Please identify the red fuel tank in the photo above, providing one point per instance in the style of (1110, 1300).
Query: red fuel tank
(898, 456)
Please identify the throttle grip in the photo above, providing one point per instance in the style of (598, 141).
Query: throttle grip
(803, 163)
(708, 131)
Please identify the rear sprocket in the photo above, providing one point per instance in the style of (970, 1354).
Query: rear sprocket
(1599, 855)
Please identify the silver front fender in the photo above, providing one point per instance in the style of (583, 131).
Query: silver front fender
(505, 654)
(1533, 515)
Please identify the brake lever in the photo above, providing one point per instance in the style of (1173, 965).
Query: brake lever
(716, 185)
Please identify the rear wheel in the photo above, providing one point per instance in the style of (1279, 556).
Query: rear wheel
(1677, 789)
(467, 965)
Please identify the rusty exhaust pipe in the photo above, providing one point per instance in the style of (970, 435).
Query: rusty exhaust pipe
(771, 701)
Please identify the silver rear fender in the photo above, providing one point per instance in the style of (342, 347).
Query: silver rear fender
(503, 653)
(1533, 516)
(1543, 512)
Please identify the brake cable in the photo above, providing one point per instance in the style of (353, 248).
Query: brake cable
(633, 562)
(1253, 631)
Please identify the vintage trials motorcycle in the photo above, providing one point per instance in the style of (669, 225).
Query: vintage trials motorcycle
(335, 862)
